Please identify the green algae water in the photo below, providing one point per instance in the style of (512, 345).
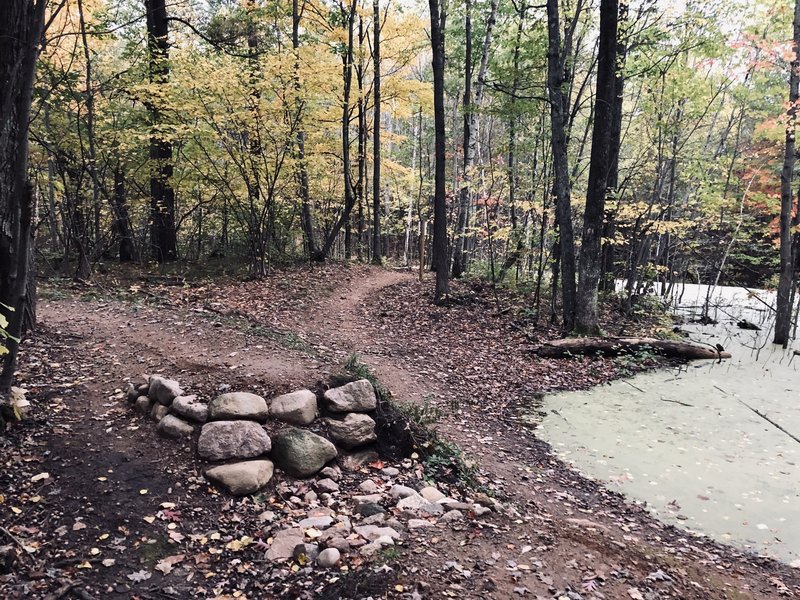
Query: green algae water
(688, 443)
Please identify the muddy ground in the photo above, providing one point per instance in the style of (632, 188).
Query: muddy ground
(118, 504)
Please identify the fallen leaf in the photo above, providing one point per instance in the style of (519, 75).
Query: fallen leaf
(140, 575)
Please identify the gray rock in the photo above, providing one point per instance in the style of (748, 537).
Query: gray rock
(368, 486)
(221, 440)
(158, 411)
(419, 524)
(412, 502)
(390, 471)
(238, 405)
(452, 515)
(143, 388)
(333, 473)
(431, 494)
(284, 543)
(190, 408)
(173, 427)
(401, 491)
(300, 452)
(327, 485)
(352, 431)
(368, 509)
(480, 511)
(164, 390)
(378, 518)
(338, 542)
(358, 396)
(368, 498)
(373, 532)
(242, 478)
(310, 551)
(329, 557)
(132, 394)
(320, 522)
(143, 405)
(297, 408)
(432, 508)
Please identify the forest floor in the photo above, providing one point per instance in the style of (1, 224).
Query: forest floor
(97, 506)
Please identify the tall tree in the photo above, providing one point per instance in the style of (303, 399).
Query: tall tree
(558, 78)
(471, 113)
(163, 235)
(783, 317)
(438, 10)
(376, 136)
(586, 318)
(21, 28)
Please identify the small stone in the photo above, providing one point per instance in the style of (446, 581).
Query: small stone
(412, 502)
(143, 405)
(190, 408)
(173, 427)
(329, 557)
(432, 508)
(377, 519)
(316, 522)
(479, 510)
(310, 496)
(431, 494)
(483, 500)
(284, 543)
(452, 515)
(132, 394)
(242, 478)
(390, 471)
(358, 396)
(333, 473)
(158, 412)
(238, 405)
(368, 498)
(339, 543)
(370, 549)
(310, 551)
(266, 517)
(221, 440)
(367, 509)
(327, 485)
(297, 408)
(368, 486)
(401, 491)
(372, 532)
(164, 390)
(419, 524)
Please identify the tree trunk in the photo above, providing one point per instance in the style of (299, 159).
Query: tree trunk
(616, 346)
(163, 236)
(21, 24)
(307, 217)
(376, 136)
(127, 248)
(558, 58)
(347, 77)
(586, 317)
(471, 124)
(440, 253)
(783, 315)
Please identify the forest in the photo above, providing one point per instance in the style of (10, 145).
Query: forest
(552, 169)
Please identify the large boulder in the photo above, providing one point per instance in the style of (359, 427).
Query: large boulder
(297, 408)
(238, 405)
(164, 390)
(221, 440)
(300, 452)
(173, 427)
(189, 408)
(242, 478)
(352, 431)
(358, 396)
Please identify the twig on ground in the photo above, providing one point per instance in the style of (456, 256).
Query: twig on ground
(771, 422)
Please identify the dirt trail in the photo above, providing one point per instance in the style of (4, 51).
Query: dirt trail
(563, 532)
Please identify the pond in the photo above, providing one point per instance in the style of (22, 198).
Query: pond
(689, 443)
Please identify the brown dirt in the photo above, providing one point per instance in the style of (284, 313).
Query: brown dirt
(564, 536)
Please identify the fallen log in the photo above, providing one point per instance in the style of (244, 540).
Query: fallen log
(567, 347)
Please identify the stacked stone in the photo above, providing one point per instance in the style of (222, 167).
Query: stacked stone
(232, 432)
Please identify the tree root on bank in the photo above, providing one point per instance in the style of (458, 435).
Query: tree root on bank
(564, 348)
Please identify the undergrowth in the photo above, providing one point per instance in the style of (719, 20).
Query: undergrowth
(408, 428)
